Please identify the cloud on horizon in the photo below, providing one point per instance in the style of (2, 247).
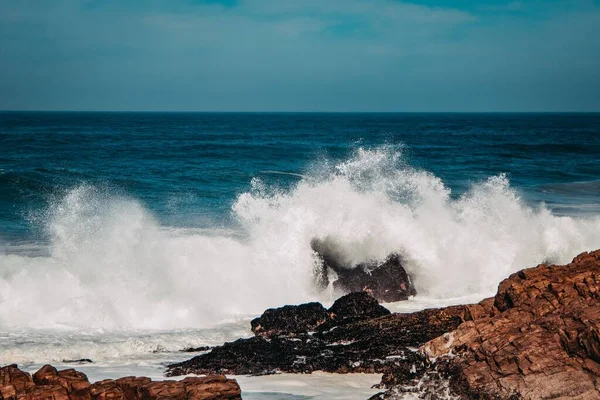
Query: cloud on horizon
(253, 55)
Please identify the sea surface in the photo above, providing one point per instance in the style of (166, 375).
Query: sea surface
(126, 237)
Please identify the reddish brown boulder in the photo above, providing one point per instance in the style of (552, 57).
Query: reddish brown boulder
(43, 392)
(50, 384)
(541, 339)
(211, 387)
(69, 379)
(13, 381)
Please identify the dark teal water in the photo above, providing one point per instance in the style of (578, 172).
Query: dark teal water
(188, 168)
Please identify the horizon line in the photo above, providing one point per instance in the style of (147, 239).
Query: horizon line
(295, 112)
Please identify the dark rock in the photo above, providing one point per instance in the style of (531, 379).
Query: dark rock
(386, 281)
(368, 344)
(304, 318)
(195, 349)
(262, 356)
(50, 384)
(289, 320)
(357, 305)
(78, 361)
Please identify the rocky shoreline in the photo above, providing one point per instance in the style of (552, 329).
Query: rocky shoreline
(68, 384)
(538, 338)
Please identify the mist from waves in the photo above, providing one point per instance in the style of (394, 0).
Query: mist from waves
(111, 266)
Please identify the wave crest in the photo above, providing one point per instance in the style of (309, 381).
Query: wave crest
(112, 266)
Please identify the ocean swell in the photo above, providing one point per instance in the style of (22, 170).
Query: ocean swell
(111, 266)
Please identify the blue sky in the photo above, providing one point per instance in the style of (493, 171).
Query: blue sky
(294, 55)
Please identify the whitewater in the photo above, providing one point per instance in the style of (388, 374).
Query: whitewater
(113, 285)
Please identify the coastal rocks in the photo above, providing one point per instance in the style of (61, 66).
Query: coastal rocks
(541, 341)
(538, 338)
(358, 305)
(358, 336)
(289, 319)
(386, 281)
(50, 384)
(303, 318)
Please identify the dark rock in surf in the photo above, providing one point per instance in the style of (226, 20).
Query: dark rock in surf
(304, 318)
(195, 349)
(386, 281)
(359, 336)
(358, 305)
(289, 320)
(79, 361)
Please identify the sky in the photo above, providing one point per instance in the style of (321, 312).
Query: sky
(300, 55)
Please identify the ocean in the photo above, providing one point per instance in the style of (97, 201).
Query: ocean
(127, 237)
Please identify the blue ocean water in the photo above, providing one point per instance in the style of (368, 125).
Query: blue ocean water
(188, 168)
(125, 237)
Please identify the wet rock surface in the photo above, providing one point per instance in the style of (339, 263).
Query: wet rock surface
(538, 338)
(50, 384)
(386, 281)
(541, 340)
(289, 320)
(358, 335)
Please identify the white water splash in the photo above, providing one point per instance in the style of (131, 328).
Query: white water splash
(112, 267)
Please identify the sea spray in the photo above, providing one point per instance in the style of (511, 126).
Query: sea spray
(111, 266)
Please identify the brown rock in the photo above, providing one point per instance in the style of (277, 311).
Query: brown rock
(211, 387)
(539, 341)
(50, 384)
(43, 392)
(132, 386)
(70, 379)
(107, 390)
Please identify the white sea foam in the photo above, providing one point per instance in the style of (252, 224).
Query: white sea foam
(111, 266)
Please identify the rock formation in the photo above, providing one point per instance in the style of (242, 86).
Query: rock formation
(355, 335)
(50, 384)
(540, 341)
(538, 338)
(386, 281)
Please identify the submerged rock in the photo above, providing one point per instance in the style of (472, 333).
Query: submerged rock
(50, 384)
(195, 349)
(386, 281)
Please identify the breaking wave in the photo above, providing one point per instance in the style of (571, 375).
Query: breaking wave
(111, 266)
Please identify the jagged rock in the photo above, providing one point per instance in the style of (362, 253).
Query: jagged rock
(386, 281)
(69, 379)
(358, 305)
(542, 340)
(289, 320)
(303, 318)
(13, 380)
(365, 339)
(50, 384)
